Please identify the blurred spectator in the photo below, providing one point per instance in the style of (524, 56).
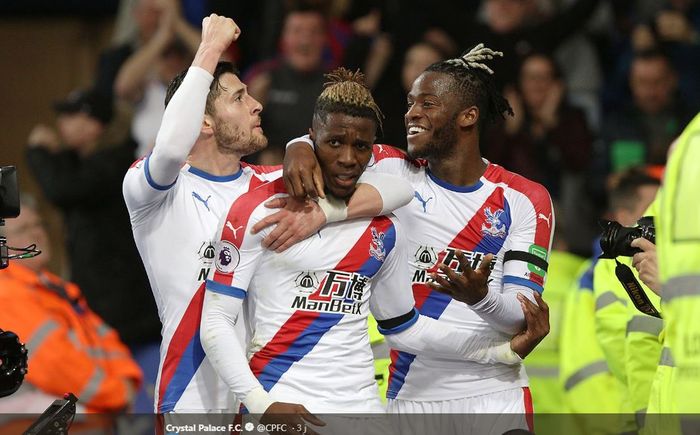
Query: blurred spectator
(71, 349)
(669, 26)
(675, 29)
(158, 23)
(516, 28)
(83, 178)
(547, 141)
(418, 57)
(288, 86)
(641, 131)
(142, 81)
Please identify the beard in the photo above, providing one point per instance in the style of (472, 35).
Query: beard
(440, 145)
(231, 140)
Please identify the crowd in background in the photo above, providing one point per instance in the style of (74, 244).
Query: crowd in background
(597, 87)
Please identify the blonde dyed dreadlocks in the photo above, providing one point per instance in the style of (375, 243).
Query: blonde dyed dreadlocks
(475, 83)
(345, 92)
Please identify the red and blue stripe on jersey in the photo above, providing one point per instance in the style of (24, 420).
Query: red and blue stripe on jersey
(184, 355)
(303, 329)
(431, 303)
(542, 206)
(239, 215)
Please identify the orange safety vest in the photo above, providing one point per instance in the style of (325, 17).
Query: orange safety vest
(70, 348)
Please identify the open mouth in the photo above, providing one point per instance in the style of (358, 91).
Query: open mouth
(414, 130)
(345, 180)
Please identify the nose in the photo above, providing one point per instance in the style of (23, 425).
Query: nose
(413, 112)
(346, 156)
(255, 106)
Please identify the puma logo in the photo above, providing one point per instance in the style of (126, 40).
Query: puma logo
(233, 230)
(196, 196)
(545, 218)
(423, 202)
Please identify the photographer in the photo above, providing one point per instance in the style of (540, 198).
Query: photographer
(646, 263)
(628, 337)
(71, 349)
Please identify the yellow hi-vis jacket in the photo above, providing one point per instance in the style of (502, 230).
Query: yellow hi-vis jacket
(589, 386)
(380, 351)
(542, 365)
(678, 249)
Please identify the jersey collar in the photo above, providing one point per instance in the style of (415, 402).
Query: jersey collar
(217, 178)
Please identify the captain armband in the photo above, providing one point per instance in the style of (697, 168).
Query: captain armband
(533, 260)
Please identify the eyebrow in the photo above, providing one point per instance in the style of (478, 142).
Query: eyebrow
(422, 94)
(237, 91)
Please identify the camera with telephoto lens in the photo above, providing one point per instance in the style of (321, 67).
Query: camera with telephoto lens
(615, 241)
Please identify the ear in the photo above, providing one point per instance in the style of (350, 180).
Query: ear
(468, 117)
(207, 126)
(312, 135)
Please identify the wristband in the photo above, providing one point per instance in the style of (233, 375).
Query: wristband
(257, 401)
(504, 354)
(335, 209)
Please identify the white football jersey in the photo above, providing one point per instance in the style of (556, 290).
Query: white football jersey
(307, 307)
(503, 214)
(174, 228)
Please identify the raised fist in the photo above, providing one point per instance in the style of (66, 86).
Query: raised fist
(219, 31)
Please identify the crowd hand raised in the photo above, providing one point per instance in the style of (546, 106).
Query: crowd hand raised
(537, 325)
(293, 415)
(674, 26)
(302, 173)
(646, 263)
(296, 220)
(166, 23)
(470, 286)
(219, 31)
(43, 136)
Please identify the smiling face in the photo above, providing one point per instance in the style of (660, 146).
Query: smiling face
(303, 37)
(433, 107)
(343, 148)
(235, 120)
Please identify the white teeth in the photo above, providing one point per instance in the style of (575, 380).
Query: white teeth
(415, 129)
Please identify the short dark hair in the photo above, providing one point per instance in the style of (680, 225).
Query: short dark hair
(623, 193)
(652, 54)
(214, 89)
(475, 85)
(556, 68)
(347, 93)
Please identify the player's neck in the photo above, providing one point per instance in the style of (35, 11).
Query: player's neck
(463, 168)
(211, 161)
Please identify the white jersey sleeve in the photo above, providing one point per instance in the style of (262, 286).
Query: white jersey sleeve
(529, 242)
(237, 255)
(182, 121)
(392, 304)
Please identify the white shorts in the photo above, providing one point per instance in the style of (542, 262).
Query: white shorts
(488, 414)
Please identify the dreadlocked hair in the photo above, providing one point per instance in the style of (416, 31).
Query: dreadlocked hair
(476, 84)
(346, 92)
